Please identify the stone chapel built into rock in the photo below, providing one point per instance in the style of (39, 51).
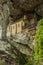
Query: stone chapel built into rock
(20, 26)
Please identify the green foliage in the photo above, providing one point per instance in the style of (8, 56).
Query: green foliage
(22, 59)
(2, 62)
(29, 61)
(38, 48)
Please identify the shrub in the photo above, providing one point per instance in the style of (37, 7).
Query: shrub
(2, 62)
(29, 61)
(38, 48)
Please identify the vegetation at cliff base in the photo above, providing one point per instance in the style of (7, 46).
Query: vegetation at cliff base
(2, 62)
(38, 48)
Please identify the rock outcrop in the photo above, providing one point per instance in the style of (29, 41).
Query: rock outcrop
(15, 47)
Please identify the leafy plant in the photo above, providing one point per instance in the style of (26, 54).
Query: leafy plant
(2, 62)
(29, 61)
(38, 48)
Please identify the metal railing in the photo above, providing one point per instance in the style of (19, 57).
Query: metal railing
(30, 26)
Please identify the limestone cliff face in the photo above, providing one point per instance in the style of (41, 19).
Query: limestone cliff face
(27, 6)
(19, 45)
(18, 8)
(14, 47)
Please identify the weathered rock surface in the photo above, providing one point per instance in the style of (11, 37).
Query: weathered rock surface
(20, 7)
(27, 6)
(19, 45)
(15, 46)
